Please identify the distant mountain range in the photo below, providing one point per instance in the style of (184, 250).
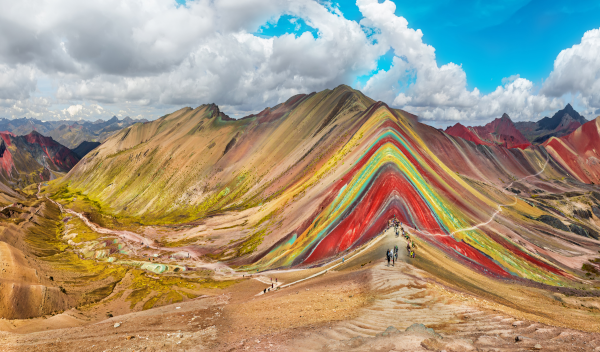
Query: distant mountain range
(561, 124)
(32, 150)
(68, 133)
(504, 132)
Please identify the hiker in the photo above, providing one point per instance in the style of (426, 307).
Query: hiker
(275, 279)
(265, 291)
(388, 256)
(392, 259)
(408, 248)
(271, 285)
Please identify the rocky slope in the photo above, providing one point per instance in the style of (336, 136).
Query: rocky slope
(32, 158)
(578, 151)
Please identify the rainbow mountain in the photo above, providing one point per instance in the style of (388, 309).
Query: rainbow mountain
(310, 179)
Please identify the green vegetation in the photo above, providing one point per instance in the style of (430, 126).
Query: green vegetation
(250, 245)
(84, 234)
(180, 243)
(590, 268)
(168, 289)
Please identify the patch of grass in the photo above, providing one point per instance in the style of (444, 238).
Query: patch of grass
(180, 243)
(151, 302)
(100, 293)
(84, 234)
(250, 245)
(589, 268)
(136, 296)
(168, 289)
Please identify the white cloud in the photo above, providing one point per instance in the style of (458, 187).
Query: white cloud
(577, 71)
(416, 82)
(73, 109)
(151, 57)
(155, 53)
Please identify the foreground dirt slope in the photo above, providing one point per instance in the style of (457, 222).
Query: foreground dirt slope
(362, 305)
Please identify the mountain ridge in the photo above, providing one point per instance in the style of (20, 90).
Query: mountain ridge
(562, 123)
(500, 131)
(67, 132)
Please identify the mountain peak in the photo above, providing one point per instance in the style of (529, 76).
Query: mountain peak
(34, 133)
(501, 131)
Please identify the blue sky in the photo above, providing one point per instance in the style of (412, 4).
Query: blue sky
(495, 39)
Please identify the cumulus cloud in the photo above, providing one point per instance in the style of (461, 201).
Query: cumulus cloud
(577, 71)
(151, 57)
(154, 52)
(416, 82)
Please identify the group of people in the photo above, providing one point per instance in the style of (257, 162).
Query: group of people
(268, 289)
(395, 224)
(392, 255)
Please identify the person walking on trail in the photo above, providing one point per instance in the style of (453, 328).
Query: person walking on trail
(408, 247)
(392, 259)
(265, 291)
(388, 256)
